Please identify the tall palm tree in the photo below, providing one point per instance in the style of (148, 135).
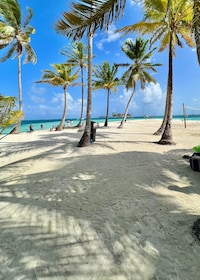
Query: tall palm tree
(61, 76)
(138, 68)
(166, 21)
(196, 26)
(15, 33)
(86, 16)
(8, 116)
(77, 57)
(106, 79)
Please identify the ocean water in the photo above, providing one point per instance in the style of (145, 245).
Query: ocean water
(48, 124)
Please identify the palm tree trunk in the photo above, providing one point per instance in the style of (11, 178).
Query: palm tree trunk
(107, 110)
(166, 138)
(126, 111)
(16, 129)
(61, 125)
(82, 101)
(160, 130)
(85, 139)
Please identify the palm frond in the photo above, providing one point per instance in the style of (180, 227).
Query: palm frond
(158, 6)
(8, 116)
(15, 33)
(89, 15)
(141, 27)
(105, 77)
(138, 70)
(11, 13)
(162, 18)
(10, 52)
(61, 76)
(30, 54)
(26, 20)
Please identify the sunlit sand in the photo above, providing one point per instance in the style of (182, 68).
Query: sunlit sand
(120, 209)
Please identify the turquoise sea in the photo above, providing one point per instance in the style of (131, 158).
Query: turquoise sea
(47, 124)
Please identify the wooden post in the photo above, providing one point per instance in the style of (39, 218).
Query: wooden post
(184, 115)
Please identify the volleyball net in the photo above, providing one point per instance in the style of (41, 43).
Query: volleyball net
(190, 113)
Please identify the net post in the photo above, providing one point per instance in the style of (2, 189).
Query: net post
(184, 115)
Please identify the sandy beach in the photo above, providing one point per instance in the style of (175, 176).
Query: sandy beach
(120, 209)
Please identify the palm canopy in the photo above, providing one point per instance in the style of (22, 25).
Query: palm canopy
(76, 54)
(8, 116)
(15, 31)
(106, 77)
(138, 68)
(89, 15)
(163, 19)
(60, 76)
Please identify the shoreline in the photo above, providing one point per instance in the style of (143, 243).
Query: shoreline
(47, 124)
(120, 208)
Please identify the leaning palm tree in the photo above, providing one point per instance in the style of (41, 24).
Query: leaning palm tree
(86, 17)
(15, 33)
(166, 21)
(138, 68)
(106, 78)
(8, 116)
(77, 57)
(61, 76)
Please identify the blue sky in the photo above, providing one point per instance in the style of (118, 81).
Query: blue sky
(42, 101)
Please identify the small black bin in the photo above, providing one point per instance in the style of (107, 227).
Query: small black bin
(93, 132)
(195, 162)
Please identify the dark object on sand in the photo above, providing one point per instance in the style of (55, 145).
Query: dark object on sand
(92, 132)
(195, 162)
(196, 229)
(186, 156)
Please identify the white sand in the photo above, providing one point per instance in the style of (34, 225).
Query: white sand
(119, 209)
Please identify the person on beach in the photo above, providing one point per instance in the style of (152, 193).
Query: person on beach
(41, 126)
(31, 128)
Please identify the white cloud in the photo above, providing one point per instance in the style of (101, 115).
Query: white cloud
(57, 98)
(36, 94)
(153, 100)
(37, 89)
(37, 99)
(135, 2)
(54, 109)
(111, 36)
(123, 98)
(152, 94)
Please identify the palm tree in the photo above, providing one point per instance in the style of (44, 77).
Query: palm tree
(8, 116)
(78, 58)
(61, 76)
(166, 21)
(106, 79)
(15, 33)
(138, 68)
(87, 16)
(196, 26)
